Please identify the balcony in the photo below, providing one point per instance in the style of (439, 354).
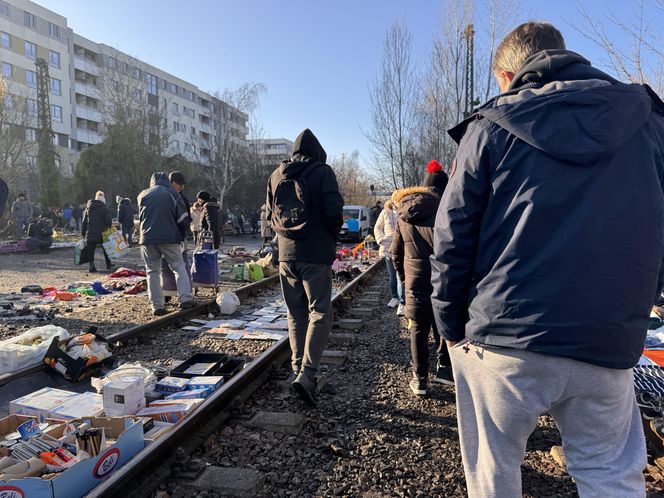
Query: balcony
(86, 65)
(89, 137)
(88, 113)
(88, 90)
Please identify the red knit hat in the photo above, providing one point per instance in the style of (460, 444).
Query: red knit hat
(435, 176)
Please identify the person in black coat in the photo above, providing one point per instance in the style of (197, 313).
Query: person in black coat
(411, 248)
(96, 219)
(210, 217)
(126, 220)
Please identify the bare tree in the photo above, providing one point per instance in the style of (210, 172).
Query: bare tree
(393, 96)
(353, 181)
(640, 58)
(223, 150)
(18, 135)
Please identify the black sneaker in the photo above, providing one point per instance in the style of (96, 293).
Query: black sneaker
(305, 388)
(92, 269)
(444, 375)
(159, 312)
(418, 385)
(187, 305)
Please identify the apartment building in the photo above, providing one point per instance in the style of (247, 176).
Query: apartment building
(87, 78)
(272, 150)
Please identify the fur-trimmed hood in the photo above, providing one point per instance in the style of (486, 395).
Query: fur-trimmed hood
(417, 205)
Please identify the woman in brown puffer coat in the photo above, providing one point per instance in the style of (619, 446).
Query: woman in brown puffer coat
(411, 248)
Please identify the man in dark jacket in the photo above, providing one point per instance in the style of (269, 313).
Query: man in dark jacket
(96, 218)
(547, 255)
(178, 182)
(40, 235)
(161, 216)
(210, 216)
(305, 260)
(23, 212)
(126, 219)
(412, 246)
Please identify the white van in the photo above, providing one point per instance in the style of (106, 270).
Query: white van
(356, 223)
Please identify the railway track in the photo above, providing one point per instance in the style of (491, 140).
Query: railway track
(148, 468)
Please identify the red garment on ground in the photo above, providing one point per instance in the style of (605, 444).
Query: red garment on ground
(127, 272)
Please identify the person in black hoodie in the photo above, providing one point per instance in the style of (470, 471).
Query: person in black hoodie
(96, 219)
(126, 219)
(305, 208)
(548, 253)
(412, 245)
(210, 216)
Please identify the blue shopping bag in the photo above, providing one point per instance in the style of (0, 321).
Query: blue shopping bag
(204, 269)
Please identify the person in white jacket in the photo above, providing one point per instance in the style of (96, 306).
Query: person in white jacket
(384, 230)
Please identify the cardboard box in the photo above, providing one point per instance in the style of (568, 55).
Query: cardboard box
(171, 384)
(191, 394)
(9, 424)
(40, 403)
(158, 429)
(85, 475)
(213, 382)
(124, 396)
(83, 405)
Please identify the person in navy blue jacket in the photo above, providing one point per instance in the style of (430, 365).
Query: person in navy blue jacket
(548, 251)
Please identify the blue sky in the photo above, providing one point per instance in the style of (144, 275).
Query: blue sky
(316, 57)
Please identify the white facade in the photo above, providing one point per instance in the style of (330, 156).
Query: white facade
(272, 150)
(86, 73)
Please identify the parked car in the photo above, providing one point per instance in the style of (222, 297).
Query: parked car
(356, 223)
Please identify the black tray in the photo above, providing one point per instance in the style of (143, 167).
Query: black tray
(75, 369)
(216, 358)
(229, 368)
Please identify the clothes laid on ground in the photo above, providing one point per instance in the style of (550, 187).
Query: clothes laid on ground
(649, 379)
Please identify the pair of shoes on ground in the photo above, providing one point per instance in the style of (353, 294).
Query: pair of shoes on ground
(443, 375)
(305, 387)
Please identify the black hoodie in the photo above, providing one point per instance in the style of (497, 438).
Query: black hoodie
(327, 210)
(96, 219)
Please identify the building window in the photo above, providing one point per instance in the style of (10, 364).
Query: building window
(163, 84)
(4, 9)
(31, 78)
(32, 107)
(56, 113)
(7, 70)
(9, 102)
(138, 95)
(188, 112)
(115, 85)
(30, 50)
(174, 88)
(176, 109)
(54, 58)
(111, 62)
(192, 130)
(152, 84)
(53, 30)
(5, 39)
(57, 162)
(29, 19)
(56, 87)
(189, 95)
(30, 135)
(136, 73)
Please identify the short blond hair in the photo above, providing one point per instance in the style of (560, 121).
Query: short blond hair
(524, 41)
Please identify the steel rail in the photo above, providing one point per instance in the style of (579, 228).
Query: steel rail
(151, 326)
(125, 481)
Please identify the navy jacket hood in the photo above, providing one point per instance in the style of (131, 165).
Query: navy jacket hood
(160, 178)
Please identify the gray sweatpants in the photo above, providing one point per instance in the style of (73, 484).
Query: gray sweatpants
(502, 392)
(172, 253)
(307, 290)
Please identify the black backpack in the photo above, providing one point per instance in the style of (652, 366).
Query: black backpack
(292, 204)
